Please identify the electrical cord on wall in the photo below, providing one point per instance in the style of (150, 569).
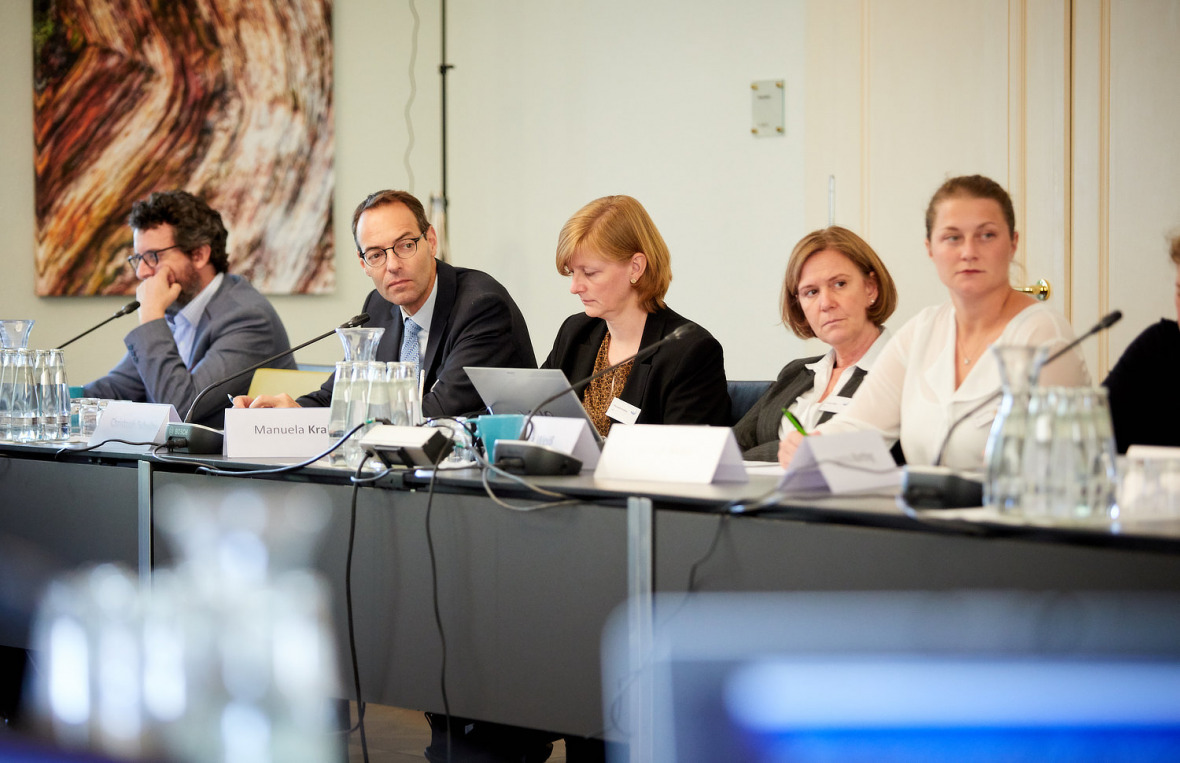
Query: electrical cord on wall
(410, 101)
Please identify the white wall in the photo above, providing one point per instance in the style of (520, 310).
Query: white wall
(556, 104)
(553, 104)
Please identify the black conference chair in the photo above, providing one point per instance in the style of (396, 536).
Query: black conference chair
(742, 396)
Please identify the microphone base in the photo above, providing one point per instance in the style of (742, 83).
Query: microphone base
(939, 487)
(193, 438)
(529, 458)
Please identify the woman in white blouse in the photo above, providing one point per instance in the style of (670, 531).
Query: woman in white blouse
(938, 367)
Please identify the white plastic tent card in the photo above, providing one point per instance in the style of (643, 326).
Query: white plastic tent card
(671, 453)
(133, 422)
(276, 432)
(570, 436)
(847, 462)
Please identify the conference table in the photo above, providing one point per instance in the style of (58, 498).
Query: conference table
(523, 595)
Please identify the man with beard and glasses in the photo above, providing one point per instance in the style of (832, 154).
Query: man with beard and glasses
(197, 323)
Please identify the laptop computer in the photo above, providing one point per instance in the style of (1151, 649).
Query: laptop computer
(520, 390)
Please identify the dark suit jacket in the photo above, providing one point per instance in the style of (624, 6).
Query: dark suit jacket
(1142, 412)
(475, 323)
(238, 329)
(757, 432)
(682, 382)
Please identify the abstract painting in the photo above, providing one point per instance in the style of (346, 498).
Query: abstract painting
(228, 99)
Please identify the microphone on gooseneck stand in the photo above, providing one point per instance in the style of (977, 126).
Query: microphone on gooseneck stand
(130, 307)
(195, 438)
(939, 487)
(526, 457)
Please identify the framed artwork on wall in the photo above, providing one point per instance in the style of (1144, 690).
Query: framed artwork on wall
(229, 100)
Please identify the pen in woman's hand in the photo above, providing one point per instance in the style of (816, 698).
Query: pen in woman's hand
(794, 422)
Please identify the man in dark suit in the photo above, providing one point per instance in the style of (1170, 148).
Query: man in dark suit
(197, 323)
(442, 318)
(437, 315)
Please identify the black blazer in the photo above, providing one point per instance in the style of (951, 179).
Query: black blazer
(475, 323)
(757, 432)
(1141, 410)
(682, 382)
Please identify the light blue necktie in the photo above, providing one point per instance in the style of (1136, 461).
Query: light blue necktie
(184, 336)
(409, 353)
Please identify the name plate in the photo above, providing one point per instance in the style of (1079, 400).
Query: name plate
(133, 422)
(276, 432)
(671, 453)
(570, 436)
(847, 462)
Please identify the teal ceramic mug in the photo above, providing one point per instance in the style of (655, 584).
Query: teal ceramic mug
(498, 426)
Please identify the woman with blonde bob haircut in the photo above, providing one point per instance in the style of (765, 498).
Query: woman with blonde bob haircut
(836, 289)
(620, 269)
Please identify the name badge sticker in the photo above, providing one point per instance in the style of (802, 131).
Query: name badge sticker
(622, 411)
(835, 404)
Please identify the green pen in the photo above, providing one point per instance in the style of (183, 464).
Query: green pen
(794, 422)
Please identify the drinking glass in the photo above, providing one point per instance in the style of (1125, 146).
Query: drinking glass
(7, 377)
(1149, 488)
(53, 396)
(342, 394)
(23, 407)
(1037, 490)
(405, 402)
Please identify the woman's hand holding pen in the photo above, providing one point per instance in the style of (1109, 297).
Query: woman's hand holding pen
(789, 444)
(787, 447)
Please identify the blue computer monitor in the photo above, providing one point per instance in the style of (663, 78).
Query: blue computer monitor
(890, 677)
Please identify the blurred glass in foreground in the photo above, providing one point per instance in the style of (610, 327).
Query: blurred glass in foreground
(227, 657)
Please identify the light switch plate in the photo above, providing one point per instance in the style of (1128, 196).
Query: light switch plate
(766, 98)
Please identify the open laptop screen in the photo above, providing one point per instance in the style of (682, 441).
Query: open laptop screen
(520, 390)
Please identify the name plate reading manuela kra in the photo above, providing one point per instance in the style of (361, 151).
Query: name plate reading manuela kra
(276, 432)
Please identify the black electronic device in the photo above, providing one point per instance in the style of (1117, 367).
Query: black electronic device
(940, 487)
(523, 457)
(408, 446)
(193, 438)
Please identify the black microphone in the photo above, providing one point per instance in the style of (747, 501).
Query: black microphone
(939, 487)
(130, 307)
(209, 439)
(534, 458)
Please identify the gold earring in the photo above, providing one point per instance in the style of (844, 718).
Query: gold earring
(633, 281)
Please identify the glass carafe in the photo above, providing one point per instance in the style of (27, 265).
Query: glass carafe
(360, 344)
(1020, 366)
(14, 334)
